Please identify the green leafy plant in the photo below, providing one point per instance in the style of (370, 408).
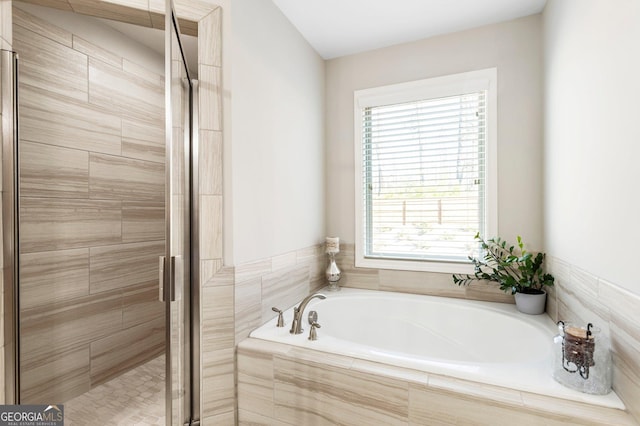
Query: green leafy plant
(515, 270)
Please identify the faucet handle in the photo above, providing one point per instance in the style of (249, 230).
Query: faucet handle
(313, 335)
(280, 319)
(313, 317)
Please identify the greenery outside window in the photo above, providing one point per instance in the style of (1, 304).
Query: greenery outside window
(425, 171)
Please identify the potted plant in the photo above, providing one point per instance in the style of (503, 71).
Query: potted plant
(515, 270)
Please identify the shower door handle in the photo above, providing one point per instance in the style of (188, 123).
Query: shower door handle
(162, 263)
(167, 276)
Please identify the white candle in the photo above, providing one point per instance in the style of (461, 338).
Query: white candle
(332, 245)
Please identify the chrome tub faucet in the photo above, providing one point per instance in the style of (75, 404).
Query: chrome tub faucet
(296, 326)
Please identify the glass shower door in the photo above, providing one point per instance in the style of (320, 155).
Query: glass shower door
(177, 263)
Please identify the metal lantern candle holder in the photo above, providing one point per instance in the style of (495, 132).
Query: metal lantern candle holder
(582, 360)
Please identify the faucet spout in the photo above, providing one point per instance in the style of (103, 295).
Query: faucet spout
(298, 311)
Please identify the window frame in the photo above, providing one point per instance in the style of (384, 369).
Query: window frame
(430, 88)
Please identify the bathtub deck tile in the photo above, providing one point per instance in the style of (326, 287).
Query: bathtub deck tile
(312, 356)
(314, 393)
(250, 418)
(476, 389)
(370, 367)
(428, 406)
(218, 381)
(579, 412)
(255, 382)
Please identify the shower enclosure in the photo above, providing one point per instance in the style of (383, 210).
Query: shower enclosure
(99, 164)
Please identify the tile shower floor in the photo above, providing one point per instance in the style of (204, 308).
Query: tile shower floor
(134, 398)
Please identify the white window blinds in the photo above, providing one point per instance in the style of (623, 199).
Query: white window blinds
(423, 166)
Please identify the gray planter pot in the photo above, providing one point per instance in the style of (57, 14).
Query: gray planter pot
(532, 304)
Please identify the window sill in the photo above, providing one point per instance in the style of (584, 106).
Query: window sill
(414, 265)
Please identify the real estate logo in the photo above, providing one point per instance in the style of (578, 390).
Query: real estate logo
(31, 415)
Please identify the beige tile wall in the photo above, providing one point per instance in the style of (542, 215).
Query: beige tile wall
(217, 346)
(578, 296)
(281, 385)
(195, 16)
(582, 297)
(89, 308)
(279, 281)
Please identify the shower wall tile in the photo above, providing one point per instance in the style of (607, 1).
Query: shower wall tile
(210, 40)
(210, 117)
(217, 327)
(56, 4)
(51, 66)
(126, 349)
(139, 72)
(141, 305)
(215, 274)
(141, 141)
(124, 265)
(210, 161)
(191, 10)
(52, 277)
(92, 212)
(132, 95)
(57, 377)
(142, 221)
(218, 281)
(209, 268)
(57, 224)
(5, 28)
(112, 177)
(94, 51)
(50, 171)
(39, 26)
(68, 324)
(211, 227)
(136, 14)
(51, 119)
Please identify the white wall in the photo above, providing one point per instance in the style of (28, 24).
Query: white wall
(277, 116)
(592, 136)
(514, 48)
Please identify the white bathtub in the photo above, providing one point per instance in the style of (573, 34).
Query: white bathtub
(479, 341)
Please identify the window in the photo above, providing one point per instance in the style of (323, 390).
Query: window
(425, 171)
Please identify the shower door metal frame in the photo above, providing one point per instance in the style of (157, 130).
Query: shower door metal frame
(188, 395)
(10, 237)
(10, 224)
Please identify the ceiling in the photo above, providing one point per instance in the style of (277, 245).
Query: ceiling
(342, 27)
